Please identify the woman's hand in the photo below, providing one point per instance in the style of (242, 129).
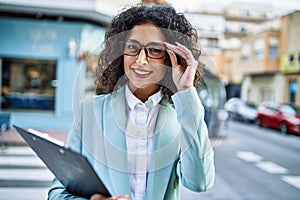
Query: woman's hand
(100, 197)
(183, 76)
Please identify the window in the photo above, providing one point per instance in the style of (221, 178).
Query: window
(247, 13)
(263, 15)
(228, 28)
(287, 109)
(212, 28)
(243, 28)
(28, 84)
(245, 51)
(273, 47)
(272, 108)
(259, 49)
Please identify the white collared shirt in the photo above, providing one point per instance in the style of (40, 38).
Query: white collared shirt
(140, 126)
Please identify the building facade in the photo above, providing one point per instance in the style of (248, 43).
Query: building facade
(290, 57)
(40, 66)
(272, 63)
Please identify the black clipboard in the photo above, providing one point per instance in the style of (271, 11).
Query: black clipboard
(72, 169)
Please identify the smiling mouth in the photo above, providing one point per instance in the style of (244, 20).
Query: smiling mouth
(141, 72)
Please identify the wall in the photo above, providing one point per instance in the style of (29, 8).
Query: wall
(263, 87)
(293, 42)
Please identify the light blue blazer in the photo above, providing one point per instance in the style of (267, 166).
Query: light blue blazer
(182, 151)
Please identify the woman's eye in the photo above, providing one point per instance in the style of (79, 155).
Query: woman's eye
(155, 50)
(132, 47)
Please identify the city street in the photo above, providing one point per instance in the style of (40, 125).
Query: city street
(252, 163)
(23, 175)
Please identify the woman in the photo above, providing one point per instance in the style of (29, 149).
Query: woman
(144, 133)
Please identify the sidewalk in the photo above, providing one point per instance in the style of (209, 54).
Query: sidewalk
(12, 137)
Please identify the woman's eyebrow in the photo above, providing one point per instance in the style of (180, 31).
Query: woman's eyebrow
(136, 41)
(133, 40)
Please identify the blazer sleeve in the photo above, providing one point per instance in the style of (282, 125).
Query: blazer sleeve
(195, 168)
(57, 190)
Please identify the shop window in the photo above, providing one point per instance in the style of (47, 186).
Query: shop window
(28, 84)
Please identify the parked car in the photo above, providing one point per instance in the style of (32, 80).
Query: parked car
(282, 117)
(240, 110)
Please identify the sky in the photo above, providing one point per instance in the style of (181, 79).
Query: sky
(278, 5)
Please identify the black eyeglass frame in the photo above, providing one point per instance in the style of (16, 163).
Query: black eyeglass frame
(141, 46)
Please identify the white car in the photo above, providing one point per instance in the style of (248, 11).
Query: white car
(240, 110)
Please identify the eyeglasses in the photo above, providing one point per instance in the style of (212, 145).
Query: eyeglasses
(153, 50)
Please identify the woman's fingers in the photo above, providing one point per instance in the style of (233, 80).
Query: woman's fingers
(173, 58)
(184, 52)
(183, 74)
(176, 49)
(122, 197)
(190, 60)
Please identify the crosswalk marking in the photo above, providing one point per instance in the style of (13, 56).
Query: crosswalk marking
(21, 161)
(292, 180)
(248, 156)
(23, 193)
(26, 174)
(272, 168)
(23, 151)
(269, 167)
(23, 176)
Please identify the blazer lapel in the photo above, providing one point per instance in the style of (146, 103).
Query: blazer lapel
(166, 148)
(115, 142)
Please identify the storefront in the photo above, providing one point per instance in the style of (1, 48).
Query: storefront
(39, 66)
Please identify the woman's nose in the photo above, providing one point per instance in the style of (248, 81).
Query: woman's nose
(142, 57)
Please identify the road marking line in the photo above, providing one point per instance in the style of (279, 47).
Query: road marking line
(23, 193)
(26, 174)
(272, 168)
(248, 156)
(292, 180)
(21, 161)
(12, 150)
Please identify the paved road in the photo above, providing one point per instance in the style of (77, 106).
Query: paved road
(252, 163)
(23, 175)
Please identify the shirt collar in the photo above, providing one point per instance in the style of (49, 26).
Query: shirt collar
(132, 100)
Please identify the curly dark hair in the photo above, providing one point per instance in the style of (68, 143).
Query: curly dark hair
(174, 26)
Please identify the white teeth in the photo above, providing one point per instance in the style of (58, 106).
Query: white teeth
(141, 72)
